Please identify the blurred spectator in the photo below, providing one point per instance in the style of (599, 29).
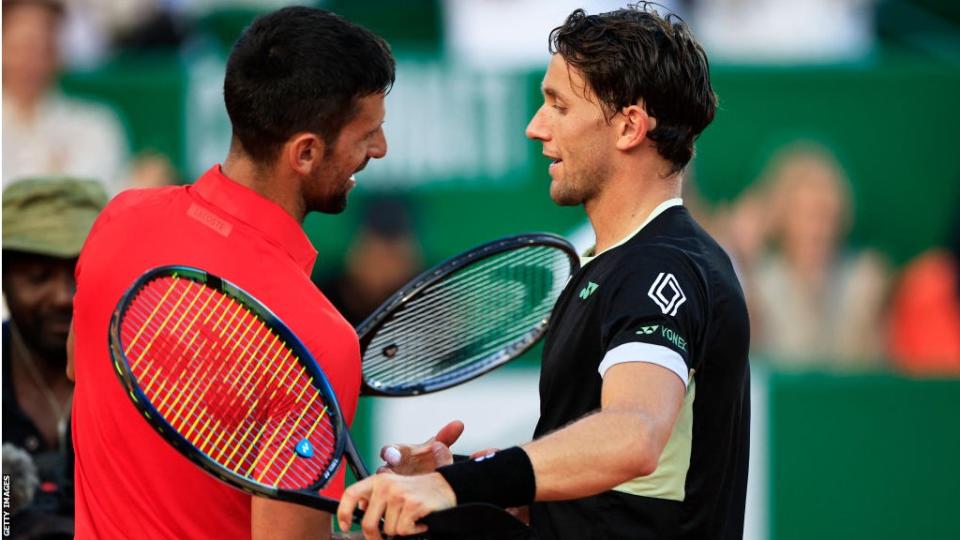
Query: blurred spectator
(925, 317)
(814, 300)
(44, 132)
(742, 227)
(27, 522)
(383, 256)
(23, 477)
(45, 222)
(745, 227)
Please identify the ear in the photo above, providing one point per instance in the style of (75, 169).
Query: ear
(304, 153)
(634, 124)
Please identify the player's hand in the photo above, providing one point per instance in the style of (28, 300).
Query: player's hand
(423, 458)
(400, 501)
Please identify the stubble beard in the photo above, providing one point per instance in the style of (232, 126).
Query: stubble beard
(330, 203)
(579, 187)
(335, 204)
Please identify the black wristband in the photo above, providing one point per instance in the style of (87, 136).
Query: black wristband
(504, 478)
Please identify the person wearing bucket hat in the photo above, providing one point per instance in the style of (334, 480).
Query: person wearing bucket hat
(50, 216)
(45, 222)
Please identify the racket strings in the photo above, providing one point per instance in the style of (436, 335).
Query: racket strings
(187, 432)
(436, 306)
(227, 383)
(425, 315)
(474, 316)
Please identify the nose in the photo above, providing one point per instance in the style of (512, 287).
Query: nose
(378, 148)
(63, 289)
(537, 128)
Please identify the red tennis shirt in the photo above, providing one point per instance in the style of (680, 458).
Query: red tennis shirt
(129, 482)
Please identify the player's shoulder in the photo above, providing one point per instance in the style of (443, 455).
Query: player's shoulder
(652, 256)
(138, 200)
(133, 204)
(676, 235)
(689, 258)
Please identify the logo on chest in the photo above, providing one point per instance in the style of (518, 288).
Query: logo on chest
(588, 290)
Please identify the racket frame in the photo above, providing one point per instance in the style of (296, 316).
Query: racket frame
(367, 330)
(306, 496)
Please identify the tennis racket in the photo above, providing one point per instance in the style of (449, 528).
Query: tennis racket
(466, 316)
(232, 388)
(225, 382)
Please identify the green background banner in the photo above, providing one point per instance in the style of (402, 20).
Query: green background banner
(891, 123)
(863, 456)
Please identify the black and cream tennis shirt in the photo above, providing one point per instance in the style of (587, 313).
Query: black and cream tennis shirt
(667, 295)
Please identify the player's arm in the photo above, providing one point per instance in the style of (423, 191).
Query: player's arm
(647, 333)
(270, 519)
(624, 440)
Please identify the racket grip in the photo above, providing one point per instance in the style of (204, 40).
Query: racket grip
(358, 517)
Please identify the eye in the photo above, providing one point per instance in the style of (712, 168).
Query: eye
(559, 108)
(38, 275)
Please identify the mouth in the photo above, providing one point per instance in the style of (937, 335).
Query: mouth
(554, 163)
(59, 325)
(553, 159)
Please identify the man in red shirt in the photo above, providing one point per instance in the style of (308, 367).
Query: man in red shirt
(305, 93)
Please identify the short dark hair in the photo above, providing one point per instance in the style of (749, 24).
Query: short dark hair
(635, 53)
(301, 69)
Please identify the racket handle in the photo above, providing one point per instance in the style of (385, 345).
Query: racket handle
(360, 470)
(475, 521)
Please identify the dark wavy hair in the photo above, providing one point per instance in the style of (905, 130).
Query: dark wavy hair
(301, 69)
(635, 54)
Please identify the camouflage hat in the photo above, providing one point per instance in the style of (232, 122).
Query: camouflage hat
(50, 216)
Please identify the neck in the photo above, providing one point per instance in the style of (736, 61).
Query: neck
(22, 104)
(266, 180)
(628, 197)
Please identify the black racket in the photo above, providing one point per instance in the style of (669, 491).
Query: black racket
(229, 385)
(466, 316)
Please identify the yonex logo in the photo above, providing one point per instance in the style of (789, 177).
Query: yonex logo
(665, 333)
(304, 449)
(667, 294)
(588, 290)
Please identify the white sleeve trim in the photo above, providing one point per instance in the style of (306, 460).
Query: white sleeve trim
(647, 353)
